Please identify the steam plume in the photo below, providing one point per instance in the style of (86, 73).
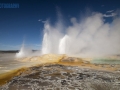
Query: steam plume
(90, 36)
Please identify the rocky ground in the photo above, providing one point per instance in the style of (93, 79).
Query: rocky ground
(61, 77)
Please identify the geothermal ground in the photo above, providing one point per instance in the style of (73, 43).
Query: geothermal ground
(60, 77)
(57, 72)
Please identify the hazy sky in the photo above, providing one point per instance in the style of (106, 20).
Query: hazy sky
(26, 23)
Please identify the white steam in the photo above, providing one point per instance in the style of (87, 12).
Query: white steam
(24, 52)
(64, 45)
(89, 37)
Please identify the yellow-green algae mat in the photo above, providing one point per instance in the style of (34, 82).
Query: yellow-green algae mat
(48, 58)
(5, 77)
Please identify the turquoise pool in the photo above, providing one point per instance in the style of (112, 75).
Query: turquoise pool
(105, 61)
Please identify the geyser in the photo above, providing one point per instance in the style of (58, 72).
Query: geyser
(24, 52)
(89, 37)
(64, 44)
(46, 44)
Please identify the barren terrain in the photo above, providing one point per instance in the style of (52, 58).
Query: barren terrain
(57, 72)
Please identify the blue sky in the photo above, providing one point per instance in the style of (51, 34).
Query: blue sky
(24, 23)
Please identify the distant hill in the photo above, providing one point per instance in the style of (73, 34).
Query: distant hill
(9, 51)
(12, 51)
